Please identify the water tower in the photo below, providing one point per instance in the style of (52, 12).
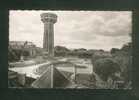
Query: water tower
(48, 39)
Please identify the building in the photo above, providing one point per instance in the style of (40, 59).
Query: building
(23, 45)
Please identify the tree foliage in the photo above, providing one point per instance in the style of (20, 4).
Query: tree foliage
(114, 50)
(124, 58)
(105, 68)
(14, 55)
(60, 51)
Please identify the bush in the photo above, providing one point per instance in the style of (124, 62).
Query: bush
(14, 55)
(105, 67)
(100, 55)
(26, 53)
(124, 58)
(84, 55)
(125, 62)
(114, 50)
(61, 51)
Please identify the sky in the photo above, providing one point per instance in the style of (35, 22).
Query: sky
(74, 29)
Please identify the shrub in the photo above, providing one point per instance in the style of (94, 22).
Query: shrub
(125, 62)
(14, 55)
(105, 67)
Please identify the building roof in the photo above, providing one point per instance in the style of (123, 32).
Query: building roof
(20, 43)
(52, 78)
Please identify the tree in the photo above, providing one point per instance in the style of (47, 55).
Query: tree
(114, 50)
(25, 53)
(105, 68)
(124, 59)
(127, 47)
(99, 55)
(61, 51)
(61, 48)
(14, 54)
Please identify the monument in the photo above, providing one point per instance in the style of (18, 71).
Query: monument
(48, 39)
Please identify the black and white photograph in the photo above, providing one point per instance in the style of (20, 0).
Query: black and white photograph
(70, 49)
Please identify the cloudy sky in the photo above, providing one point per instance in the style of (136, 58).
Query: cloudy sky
(74, 29)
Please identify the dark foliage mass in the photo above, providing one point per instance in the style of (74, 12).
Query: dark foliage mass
(106, 67)
(15, 54)
(120, 60)
(124, 59)
(63, 51)
(114, 50)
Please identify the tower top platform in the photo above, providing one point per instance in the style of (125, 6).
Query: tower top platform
(48, 17)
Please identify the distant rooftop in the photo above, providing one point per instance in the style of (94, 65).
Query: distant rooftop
(20, 44)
